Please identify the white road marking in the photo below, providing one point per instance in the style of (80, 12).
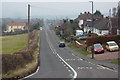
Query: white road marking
(31, 74)
(102, 67)
(66, 67)
(75, 73)
(69, 70)
(85, 68)
(73, 59)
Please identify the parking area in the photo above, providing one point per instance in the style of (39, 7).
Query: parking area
(107, 55)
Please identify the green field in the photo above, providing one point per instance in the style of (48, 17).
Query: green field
(13, 43)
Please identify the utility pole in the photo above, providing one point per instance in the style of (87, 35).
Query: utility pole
(28, 22)
(92, 27)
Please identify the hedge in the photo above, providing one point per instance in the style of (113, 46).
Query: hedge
(102, 39)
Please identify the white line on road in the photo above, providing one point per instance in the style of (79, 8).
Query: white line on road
(75, 73)
(102, 67)
(63, 61)
(31, 74)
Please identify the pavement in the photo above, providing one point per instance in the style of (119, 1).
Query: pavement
(58, 62)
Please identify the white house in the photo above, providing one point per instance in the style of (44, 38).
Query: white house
(101, 28)
(14, 27)
(80, 23)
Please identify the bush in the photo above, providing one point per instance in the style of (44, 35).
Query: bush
(14, 61)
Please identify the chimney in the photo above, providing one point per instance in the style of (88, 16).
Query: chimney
(107, 18)
(102, 16)
(85, 12)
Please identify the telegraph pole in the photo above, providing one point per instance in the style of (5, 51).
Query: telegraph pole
(28, 22)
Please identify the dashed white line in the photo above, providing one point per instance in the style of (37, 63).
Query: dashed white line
(75, 73)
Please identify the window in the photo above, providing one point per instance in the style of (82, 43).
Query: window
(100, 32)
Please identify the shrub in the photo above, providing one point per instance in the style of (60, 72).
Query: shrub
(14, 61)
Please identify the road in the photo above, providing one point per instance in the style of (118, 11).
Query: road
(58, 62)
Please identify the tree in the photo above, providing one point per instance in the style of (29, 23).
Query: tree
(97, 13)
(114, 13)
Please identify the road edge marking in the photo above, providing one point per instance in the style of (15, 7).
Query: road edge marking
(31, 74)
(75, 73)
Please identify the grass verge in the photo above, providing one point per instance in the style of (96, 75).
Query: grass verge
(77, 49)
(115, 62)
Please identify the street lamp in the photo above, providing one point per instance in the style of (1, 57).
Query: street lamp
(92, 26)
(92, 15)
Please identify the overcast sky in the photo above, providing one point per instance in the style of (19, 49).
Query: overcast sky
(52, 9)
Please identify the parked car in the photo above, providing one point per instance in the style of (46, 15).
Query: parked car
(97, 48)
(112, 46)
(61, 44)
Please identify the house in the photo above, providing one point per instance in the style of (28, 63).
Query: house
(101, 27)
(15, 27)
(113, 26)
(106, 26)
(85, 20)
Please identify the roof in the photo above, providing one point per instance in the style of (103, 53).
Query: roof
(86, 16)
(97, 44)
(89, 23)
(17, 24)
(102, 25)
(111, 42)
(114, 22)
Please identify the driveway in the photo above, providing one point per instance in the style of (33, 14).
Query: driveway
(107, 55)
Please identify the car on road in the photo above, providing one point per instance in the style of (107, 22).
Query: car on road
(112, 46)
(97, 48)
(61, 44)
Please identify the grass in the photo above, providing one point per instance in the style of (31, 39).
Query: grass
(86, 53)
(82, 51)
(14, 43)
(115, 62)
(72, 46)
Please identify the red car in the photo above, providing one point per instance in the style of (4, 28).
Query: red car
(97, 48)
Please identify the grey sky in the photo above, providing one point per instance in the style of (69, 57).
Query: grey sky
(52, 9)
